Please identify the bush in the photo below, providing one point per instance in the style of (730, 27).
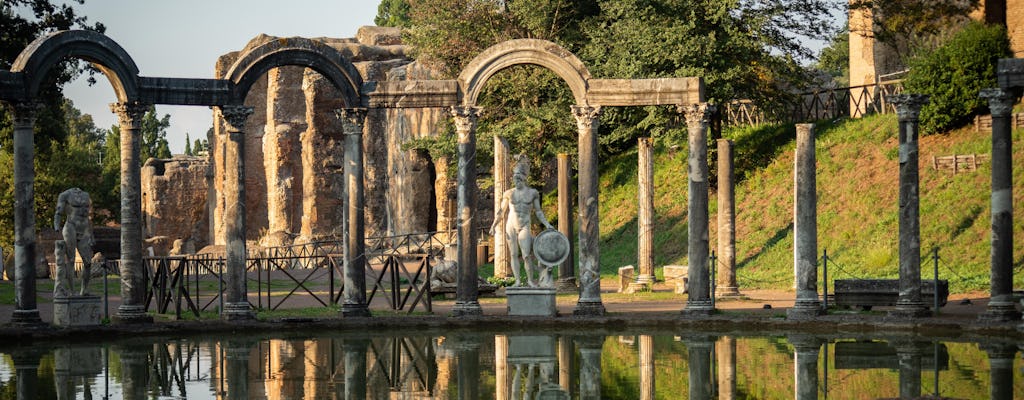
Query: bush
(954, 73)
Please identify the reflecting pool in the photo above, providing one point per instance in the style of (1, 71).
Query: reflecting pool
(515, 366)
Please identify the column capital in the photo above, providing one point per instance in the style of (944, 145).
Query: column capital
(130, 114)
(1000, 102)
(698, 114)
(908, 105)
(465, 117)
(24, 112)
(235, 115)
(585, 116)
(352, 120)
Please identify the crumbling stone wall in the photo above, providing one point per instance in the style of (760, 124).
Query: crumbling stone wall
(174, 199)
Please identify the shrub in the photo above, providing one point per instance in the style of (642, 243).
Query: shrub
(954, 73)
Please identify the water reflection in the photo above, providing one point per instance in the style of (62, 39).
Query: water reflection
(515, 366)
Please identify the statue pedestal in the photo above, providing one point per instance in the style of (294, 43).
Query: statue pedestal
(529, 301)
(76, 311)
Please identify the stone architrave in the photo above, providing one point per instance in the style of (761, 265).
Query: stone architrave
(699, 301)
(354, 303)
(236, 302)
(1001, 304)
(726, 282)
(567, 271)
(133, 280)
(467, 291)
(805, 226)
(909, 304)
(587, 122)
(502, 173)
(645, 212)
(805, 362)
(26, 312)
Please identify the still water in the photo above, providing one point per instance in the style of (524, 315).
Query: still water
(515, 366)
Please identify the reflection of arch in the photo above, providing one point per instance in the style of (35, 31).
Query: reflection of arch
(43, 53)
(300, 52)
(524, 51)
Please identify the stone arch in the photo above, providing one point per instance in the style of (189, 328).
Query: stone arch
(296, 51)
(109, 57)
(546, 54)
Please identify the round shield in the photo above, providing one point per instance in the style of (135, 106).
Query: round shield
(551, 247)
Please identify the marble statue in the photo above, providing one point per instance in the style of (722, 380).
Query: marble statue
(78, 238)
(518, 205)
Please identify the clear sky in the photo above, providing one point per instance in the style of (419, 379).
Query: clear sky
(183, 38)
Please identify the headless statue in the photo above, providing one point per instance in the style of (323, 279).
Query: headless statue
(77, 234)
(518, 205)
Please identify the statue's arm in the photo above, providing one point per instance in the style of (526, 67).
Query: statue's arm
(540, 212)
(61, 199)
(502, 210)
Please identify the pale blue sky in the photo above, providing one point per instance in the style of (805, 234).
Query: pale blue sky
(183, 38)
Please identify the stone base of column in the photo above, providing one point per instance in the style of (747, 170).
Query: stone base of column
(910, 310)
(727, 291)
(131, 315)
(467, 309)
(698, 309)
(999, 311)
(589, 309)
(355, 311)
(638, 287)
(645, 279)
(240, 311)
(27, 319)
(804, 309)
(567, 285)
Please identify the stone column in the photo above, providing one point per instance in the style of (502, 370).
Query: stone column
(1001, 305)
(589, 236)
(237, 368)
(134, 371)
(133, 279)
(468, 359)
(1000, 361)
(805, 226)
(726, 283)
(501, 387)
(909, 304)
(699, 301)
(566, 271)
(590, 366)
(355, 367)
(805, 366)
(236, 299)
(646, 367)
(725, 350)
(26, 311)
(26, 365)
(909, 355)
(699, 360)
(467, 291)
(354, 303)
(645, 212)
(565, 361)
(502, 171)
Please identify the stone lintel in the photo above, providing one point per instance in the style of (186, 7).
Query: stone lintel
(411, 94)
(1010, 74)
(640, 92)
(184, 91)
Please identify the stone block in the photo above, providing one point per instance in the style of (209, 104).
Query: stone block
(625, 277)
(78, 361)
(637, 287)
(527, 301)
(682, 285)
(533, 347)
(675, 272)
(76, 311)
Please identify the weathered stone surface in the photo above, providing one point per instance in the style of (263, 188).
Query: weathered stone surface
(76, 311)
(174, 199)
(625, 277)
(379, 35)
(531, 301)
(322, 160)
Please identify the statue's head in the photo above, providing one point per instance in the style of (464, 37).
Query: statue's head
(522, 169)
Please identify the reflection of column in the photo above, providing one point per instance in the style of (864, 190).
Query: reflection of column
(725, 349)
(565, 360)
(1000, 305)
(355, 367)
(805, 365)
(909, 355)
(726, 283)
(501, 367)
(468, 357)
(909, 304)
(237, 368)
(354, 304)
(1000, 361)
(805, 226)
(502, 267)
(566, 271)
(699, 361)
(236, 301)
(699, 300)
(467, 292)
(26, 311)
(589, 235)
(590, 366)
(26, 365)
(133, 281)
(645, 212)
(646, 367)
(134, 371)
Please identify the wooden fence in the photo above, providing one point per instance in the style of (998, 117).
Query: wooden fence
(983, 123)
(849, 102)
(959, 162)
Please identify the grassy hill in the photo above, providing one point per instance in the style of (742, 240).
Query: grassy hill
(858, 189)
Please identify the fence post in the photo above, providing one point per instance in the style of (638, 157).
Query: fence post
(714, 266)
(935, 290)
(220, 286)
(824, 279)
(106, 299)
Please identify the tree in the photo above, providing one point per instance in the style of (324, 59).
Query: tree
(392, 13)
(154, 136)
(188, 145)
(834, 59)
(908, 25)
